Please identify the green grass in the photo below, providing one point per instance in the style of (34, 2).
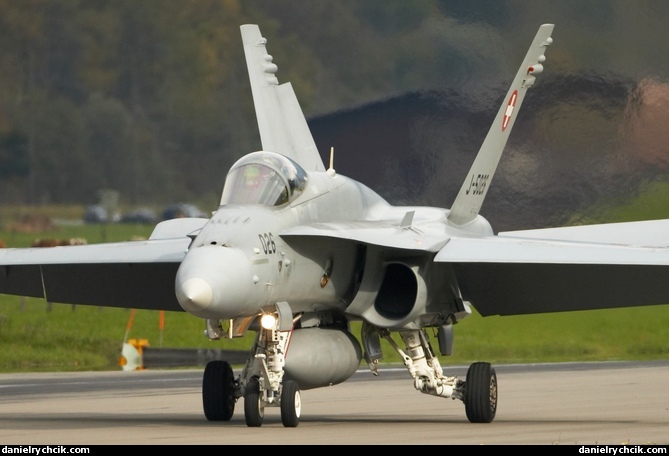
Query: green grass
(651, 202)
(38, 337)
(597, 335)
(15, 223)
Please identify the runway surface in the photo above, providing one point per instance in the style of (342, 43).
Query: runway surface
(549, 404)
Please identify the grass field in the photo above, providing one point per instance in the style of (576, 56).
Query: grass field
(36, 336)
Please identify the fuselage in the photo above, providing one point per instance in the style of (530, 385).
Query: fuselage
(239, 263)
(245, 259)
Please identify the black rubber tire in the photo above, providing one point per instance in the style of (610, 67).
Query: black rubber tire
(254, 412)
(218, 388)
(481, 393)
(291, 404)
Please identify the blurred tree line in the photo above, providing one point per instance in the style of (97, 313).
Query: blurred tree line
(151, 97)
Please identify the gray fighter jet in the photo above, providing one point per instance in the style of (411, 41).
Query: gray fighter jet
(295, 252)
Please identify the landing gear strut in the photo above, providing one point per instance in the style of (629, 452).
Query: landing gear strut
(478, 392)
(261, 382)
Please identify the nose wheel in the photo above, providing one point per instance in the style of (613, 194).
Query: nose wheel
(291, 404)
(254, 408)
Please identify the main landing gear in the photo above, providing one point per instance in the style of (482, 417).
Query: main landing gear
(219, 391)
(262, 382)
(478, 391)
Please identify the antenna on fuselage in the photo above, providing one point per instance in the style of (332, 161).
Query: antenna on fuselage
(331, 171)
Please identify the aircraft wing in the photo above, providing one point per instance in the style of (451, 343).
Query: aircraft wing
(385, 234)
(132, 274)
(642, 233)
(508, 275)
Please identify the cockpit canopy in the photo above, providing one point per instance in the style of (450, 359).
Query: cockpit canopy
(264, 178)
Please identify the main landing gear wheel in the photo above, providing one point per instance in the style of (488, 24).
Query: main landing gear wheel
(291, 404)
(218, 387)
(481, 393)
(254, 411)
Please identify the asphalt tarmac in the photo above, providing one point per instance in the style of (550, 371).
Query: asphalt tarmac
(607, 403)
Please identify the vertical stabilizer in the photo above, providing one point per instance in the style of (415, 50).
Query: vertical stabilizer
(473, 191)
(281, 122)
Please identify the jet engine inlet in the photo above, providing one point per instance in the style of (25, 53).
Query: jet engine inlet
(398, 291)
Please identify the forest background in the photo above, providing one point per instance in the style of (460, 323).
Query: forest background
(151, 98)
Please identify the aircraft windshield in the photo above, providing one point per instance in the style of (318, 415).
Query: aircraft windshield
(263, 178)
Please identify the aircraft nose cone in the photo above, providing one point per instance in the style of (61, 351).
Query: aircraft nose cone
(215, 282)
(195, 295)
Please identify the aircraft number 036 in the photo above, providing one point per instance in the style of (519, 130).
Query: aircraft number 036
(477, 184)
(267, 241)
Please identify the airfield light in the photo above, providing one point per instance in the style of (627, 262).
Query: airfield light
(268, 321)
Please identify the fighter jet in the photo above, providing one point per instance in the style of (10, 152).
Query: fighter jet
(298, 254)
